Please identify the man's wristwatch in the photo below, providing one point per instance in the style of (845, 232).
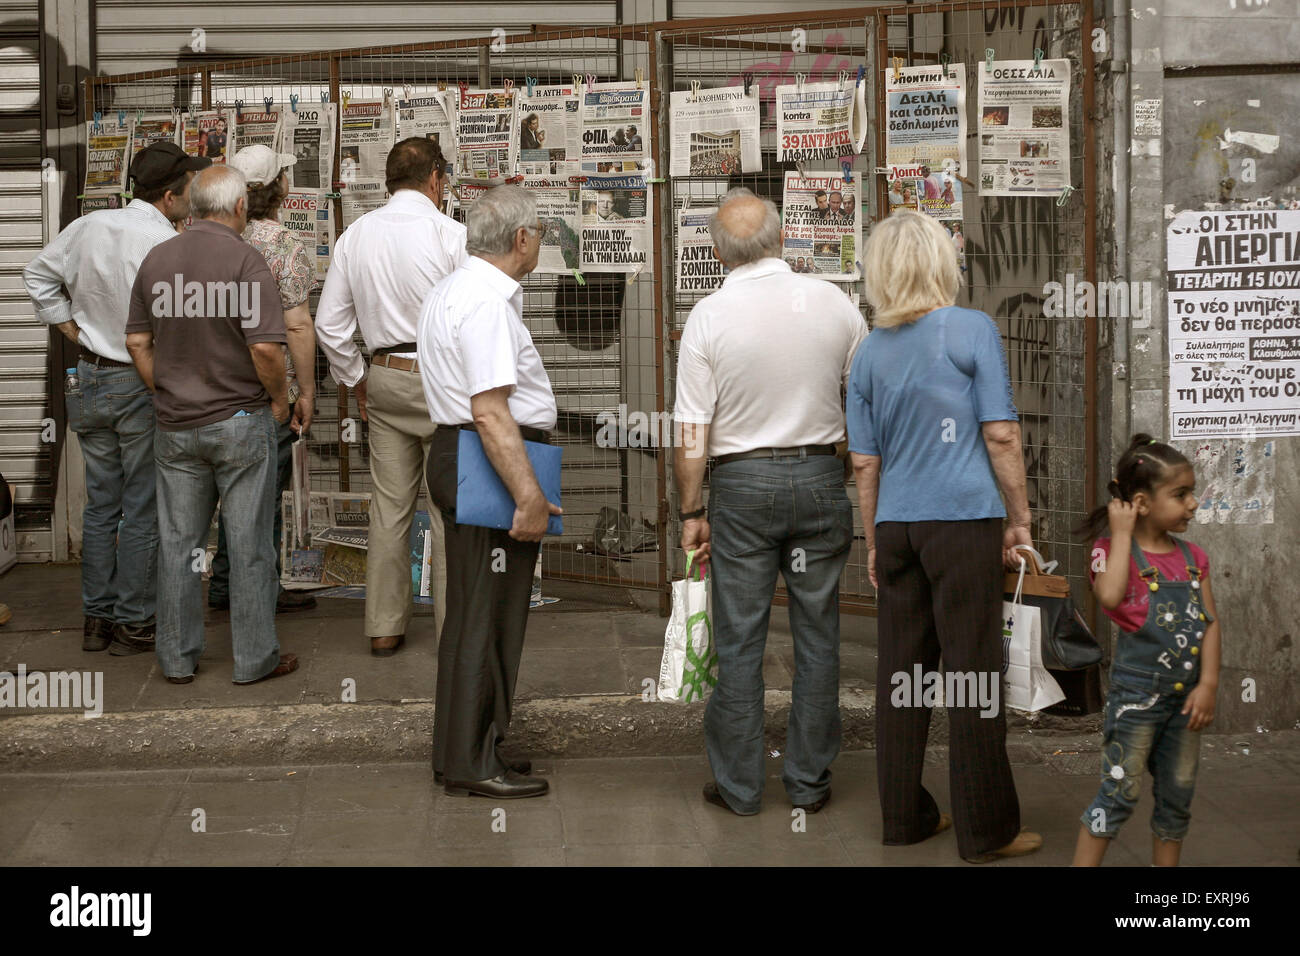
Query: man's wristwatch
(688, 515)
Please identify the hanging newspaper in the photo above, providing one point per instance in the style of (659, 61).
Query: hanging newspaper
(714, 133)
(306, 214)
(209, 133)
(365, 139)
(148, 130)
(108, 143)
(814, 121)
(429, 117)
(698, 269)
(1024, 139)
(485, 134)
(935, 194)
(615, 223)
(258, 129)
(558, 207)
(360, 197)
(550, 132)
(309, 135)
(466, 191)
(615, 123)
(925, 124)
(822, 227)
(94, 203)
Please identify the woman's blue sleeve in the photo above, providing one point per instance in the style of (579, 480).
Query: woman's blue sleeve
(992, 386)
(857, 406)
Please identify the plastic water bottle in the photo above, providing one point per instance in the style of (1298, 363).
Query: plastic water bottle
(70, 383)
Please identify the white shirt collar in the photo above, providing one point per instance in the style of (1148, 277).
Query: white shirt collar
(757, 270)
(149, 210)
(413, 198)
(500, 283)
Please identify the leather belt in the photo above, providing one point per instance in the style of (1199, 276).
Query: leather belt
(399, 347)
(100, 361)
(529, 433)
(799, 451)
(396, 362)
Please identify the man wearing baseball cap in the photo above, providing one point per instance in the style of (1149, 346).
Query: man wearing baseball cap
(81, 284)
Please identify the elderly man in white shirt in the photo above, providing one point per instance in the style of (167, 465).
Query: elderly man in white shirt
(760, 378)
(384, 265)
(81, 284)
(481, 371)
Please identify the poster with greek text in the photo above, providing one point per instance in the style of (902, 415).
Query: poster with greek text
(925, 121)
(823, 230)
(486, 143)
(365, 139)
(309, 135)
(814, 122)
(1234, 324)
(558, 206)
(107, 146)
(209, 133)
(1024, 112)
(550, 131)
(307, 214)
(147, 130)
(698, 269)
(615, 223)
(258, 129)
(615, 127)
(714, 132)
(360, 197)
(433, 117)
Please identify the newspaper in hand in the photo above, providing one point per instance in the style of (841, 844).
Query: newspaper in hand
(814, 122)
(614, 127)
(486, 144)
(822, 227)
(307, 214)
(615, 223)
(550, 131)
(925, 123)
(698, 268)
(107, 145)
(309, 135)
(714, 132)
(1024, 139)
(365, 139)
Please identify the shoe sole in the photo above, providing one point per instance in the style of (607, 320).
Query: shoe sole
(118, 649)
(466, 792)
(388, 651)
(93, 650)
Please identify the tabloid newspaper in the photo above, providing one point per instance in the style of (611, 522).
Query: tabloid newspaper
(360, 197)
(258, 129)
(698, 269)
(309, 135)
(925, 121)
(822, 227)
(365, 139)
(936, 194)
(814, 122)
(94, 203)
(209, 133)
(558, 206)
(1024, 139)
(615, 128)
(431, 116)
(107, 155)
(714, 132)
(615, 223)
(307, 214)
(550, 131)
(486, 143)
(148, 130)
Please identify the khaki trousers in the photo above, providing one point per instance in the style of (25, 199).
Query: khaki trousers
(400, 431)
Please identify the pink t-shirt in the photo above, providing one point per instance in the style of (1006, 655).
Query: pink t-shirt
(1131, 613)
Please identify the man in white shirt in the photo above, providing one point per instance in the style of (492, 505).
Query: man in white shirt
(81, 284)
(481, 371)
(384, 265)
(760, 378)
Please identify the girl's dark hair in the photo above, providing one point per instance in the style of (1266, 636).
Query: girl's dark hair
(263, 201)
(1141, 468)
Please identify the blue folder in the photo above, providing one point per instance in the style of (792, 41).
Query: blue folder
(482, 498)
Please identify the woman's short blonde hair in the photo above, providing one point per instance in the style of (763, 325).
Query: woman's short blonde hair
(910, 267)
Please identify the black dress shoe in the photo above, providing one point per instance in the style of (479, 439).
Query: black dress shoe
(817, 804)
(97, 634)
(713, 796)
(522, 767)
(508, 786)
(132, 639)
(290, 601)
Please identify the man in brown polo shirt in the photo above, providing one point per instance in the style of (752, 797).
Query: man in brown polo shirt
(206, 331)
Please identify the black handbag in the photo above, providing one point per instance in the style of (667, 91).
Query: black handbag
(1068, 644)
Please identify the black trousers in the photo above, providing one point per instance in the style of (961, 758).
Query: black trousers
(941, 594)
(489, 582)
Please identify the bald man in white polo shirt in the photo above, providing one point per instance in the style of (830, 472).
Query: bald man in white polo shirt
(480, 370)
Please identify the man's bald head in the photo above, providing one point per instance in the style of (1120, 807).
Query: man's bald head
(745, 228)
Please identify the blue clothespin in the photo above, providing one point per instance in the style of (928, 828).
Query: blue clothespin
(139, 115)
(847, 166)
(293, 102)
(239, 109)
(121, 117)
(862, 71)
(531, 83)
(269, 102)
(1038, 58)
(945, 59)
(988, 59)
(98, 116)
(325, 96)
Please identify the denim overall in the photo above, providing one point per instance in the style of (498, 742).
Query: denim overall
(1154, 670)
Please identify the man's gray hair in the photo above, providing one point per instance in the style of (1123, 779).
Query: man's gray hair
(495, 217)
(216, 190)
(759, 243)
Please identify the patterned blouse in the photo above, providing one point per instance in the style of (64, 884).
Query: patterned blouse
(293, 269)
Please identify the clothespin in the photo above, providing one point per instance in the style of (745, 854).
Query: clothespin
(847, 166)
(531, 83)
(463, 87)
(507, 84)
(945, 59)
(988, 59)
(98, 116)
(1062, 199)
(844, 77)
(139, 115)
(239, 109)
(862, 71)
(442, 86)
(640, 77)
(695, 89)
(333, 195)
(686, 203)
(749, 81)
(406, 91)
(799, 166)
(577, 277)
(293, 102)
(798, 82)
(388, 95)
(324, 96)
(121, 117)
(898, 68)
(220, 105)
(1038, 58)
(591, 81)
(268, 102)
(577, 82)
(636, 273)
(346, 97)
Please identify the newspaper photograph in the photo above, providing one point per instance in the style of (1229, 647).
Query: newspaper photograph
(698, 269)
(486, 144)
(615, 223)
(309, 135)
(934, 193)
(558, 207)
(814, 122)
(209, 133)
(822, 228)
(614, 127)
(258, 129)
(360, 197)
(365, 139)
(148, 130)
(94, 203)
(713, 132)
(307, 214)
(430, 117)
(550, 131)
(925, 122)
(108, 146)
(1024, 139)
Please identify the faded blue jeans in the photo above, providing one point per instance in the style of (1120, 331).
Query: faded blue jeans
(112, 413)
(792, 516)
(234, 459)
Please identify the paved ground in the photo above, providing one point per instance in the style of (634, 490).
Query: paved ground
(634, 811)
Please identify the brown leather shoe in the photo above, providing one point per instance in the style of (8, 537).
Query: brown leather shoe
(386, 646)
(288, 664)
(1025, 843)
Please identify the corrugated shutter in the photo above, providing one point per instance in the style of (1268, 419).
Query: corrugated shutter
(24, 458)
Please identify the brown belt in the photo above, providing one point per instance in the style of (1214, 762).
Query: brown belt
(796, 452)
(100, 361)
(396, 362)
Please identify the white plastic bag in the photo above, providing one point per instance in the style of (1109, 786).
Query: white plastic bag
(1026, 684)
(690, 664)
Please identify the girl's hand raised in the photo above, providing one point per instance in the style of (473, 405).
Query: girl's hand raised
(1123, 516)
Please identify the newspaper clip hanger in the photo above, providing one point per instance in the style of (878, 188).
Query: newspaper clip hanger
(898, 68)
(862, 71)
(531, 83)
(799, 166)
(324, 96)
(577, 82)
(507, 84)
(268, 102)
(406, 91)
(844, 78)
(748, 79)
(121, 117)
(640, 77)
(442, 86)
(1062, 199)
(577, 277)
(847, 166)
(239, 109)
(798, 82)
(139, 115)
(945, 59)
(1038, 58)
(695, 90)
(388, 95)
(293, 102)
(988, 59)
(346, 97)
(591, 81)
(635, 273)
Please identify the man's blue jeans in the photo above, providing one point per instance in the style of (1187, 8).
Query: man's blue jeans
(790, 515)
(233, 459)
(112, 413)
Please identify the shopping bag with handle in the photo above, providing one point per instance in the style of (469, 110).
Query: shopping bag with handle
(1026, 684)
(689, 669)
